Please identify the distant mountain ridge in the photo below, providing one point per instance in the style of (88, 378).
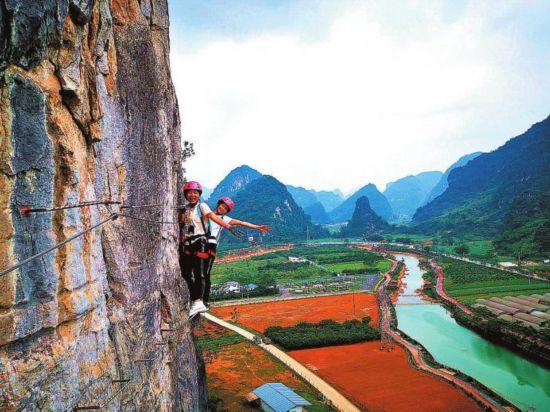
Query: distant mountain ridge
(318, 213)
(307, 197)
(443, 183)
(377, 202)
(407, 194)
(302, 196)
(483, 192)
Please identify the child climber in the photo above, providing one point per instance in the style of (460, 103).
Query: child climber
(193, 245)
(224, 206)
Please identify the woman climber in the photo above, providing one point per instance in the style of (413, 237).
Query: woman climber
(197, 246)
(224, 206)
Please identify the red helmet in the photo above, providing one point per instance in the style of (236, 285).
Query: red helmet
(228, 202)
(192, 186)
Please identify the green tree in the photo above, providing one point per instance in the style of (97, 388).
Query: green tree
(462, 249)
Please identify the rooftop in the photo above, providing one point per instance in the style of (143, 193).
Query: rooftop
(279, 397)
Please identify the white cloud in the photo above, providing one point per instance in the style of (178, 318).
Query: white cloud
(371, 102)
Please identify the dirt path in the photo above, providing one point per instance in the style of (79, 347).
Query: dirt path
(441, 291)
(340, 402)
(416, 351)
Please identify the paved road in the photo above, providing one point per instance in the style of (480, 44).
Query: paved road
(338, 401)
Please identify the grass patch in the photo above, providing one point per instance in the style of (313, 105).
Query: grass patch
(215, 344)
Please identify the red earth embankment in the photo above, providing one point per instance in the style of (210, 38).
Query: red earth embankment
(381, 380)
(247, 254)
(259, 316)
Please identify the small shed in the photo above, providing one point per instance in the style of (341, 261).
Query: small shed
(276, 397)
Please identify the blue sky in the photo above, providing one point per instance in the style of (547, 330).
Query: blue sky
(336, 94)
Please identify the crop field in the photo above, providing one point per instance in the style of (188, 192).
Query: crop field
(468, 282)
(327, 261)
(477, 248)
(382, 381)
(259, 316)
(234, 367)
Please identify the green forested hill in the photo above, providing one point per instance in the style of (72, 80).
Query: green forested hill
(235, 181)
(485, 196)
(526, 225)
(443, 183)
(267, 201)
(364, 222)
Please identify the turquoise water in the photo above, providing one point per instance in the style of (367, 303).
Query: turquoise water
(520, 381)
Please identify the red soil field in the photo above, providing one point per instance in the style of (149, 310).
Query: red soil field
(240, 368)
(259, 316)
(382, 381)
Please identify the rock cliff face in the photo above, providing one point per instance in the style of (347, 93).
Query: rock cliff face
(88, 112)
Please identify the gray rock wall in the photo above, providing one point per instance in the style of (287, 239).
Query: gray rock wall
(88, 112)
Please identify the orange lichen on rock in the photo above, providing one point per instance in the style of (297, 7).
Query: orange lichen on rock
(259, 316)
(381, 380)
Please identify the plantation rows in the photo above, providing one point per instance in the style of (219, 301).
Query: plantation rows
(497, 289)
(461, 272)
(468, 282)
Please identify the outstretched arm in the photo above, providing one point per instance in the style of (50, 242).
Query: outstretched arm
(261, 228)
(212, 216)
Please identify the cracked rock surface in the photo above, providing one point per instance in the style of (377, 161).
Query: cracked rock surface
(88, 112)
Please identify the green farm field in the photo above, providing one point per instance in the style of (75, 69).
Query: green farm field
(328, 261)
(468, 282)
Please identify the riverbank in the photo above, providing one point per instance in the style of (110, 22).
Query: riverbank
(421, 359)
(499, 332)
(521, 382)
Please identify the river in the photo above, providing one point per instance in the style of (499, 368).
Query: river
(516, 379)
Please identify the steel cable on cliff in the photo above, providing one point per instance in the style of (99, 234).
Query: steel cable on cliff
(57, 246)
(26, 210)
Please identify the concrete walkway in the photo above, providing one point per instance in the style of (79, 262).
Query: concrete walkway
(337, 400)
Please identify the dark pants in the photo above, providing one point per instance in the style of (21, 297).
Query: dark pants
(193, 270)
(210, 263)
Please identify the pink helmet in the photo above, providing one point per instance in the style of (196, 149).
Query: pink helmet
(192, 186)
(228, 202)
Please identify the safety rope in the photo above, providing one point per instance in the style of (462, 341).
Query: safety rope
(26, 210)
(57, 246)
